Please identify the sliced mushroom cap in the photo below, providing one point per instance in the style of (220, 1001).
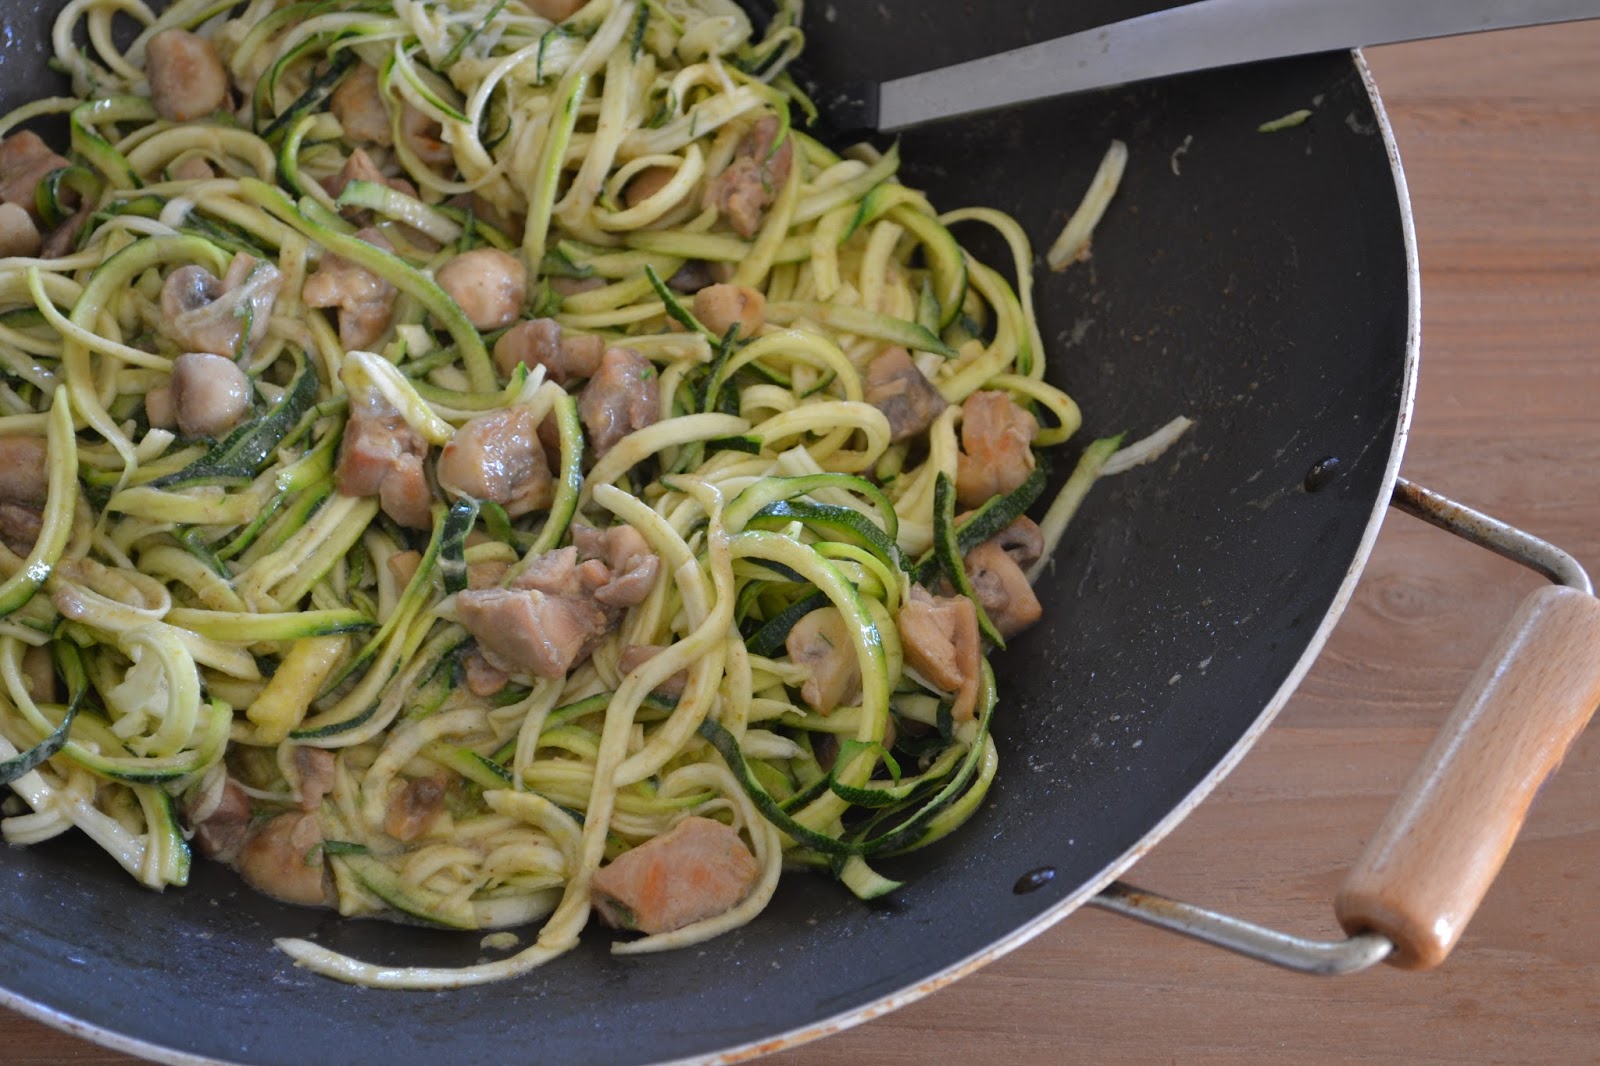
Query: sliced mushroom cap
(721, 307)
(226, 316)
(414, 807)
(187, 79)
(1002, 588)
(315, 769)
(24, 469)
(907, 399)
(210, 394)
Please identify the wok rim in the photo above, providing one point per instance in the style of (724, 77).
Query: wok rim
(115, 1041)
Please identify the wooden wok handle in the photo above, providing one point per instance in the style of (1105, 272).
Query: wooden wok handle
(1431, 862)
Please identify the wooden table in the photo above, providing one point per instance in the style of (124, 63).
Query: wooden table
(1501, 137)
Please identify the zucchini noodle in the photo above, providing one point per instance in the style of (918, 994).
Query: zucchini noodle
(343, 337)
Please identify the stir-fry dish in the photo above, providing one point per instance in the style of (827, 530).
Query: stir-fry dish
(481, 462)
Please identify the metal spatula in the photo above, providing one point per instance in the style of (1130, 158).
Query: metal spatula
(1196, 36)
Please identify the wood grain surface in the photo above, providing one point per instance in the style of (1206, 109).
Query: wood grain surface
(1501, 139)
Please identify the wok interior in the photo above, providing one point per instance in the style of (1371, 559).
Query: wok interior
(1254, 282)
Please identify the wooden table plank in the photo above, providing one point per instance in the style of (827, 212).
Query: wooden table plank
(1501, 137)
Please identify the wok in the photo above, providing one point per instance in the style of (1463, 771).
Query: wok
(1267, 290)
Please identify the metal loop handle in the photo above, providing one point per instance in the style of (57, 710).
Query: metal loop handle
(1396, 904)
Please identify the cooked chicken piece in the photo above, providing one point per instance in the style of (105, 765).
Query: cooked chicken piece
(939, 635)
(403, 566)
(483, 680)
(158, 408)
(995, 569)
(559, 573)
(623, 397)
(24, 485)
(760, 167)
(20, 527)
(540, 342)
(365, 300)
(907, 399)
(63, 240)
(187, 79)
(996, 456)
(18, 234)
(315, 768)
(226, 316)
(525, 631)
(359, 106)
(721, 307)
(821, 643)
(636, 655)
(210, 394)
(220, 832)
(39, 671)
(414, 807)
(697, 870)
(283, 859)
(381, 456)
(497, 456)
(556, 10)
(646, 184)
(487, 284)
(25, 161)
(360, 167)
(193, 169)
(631, 565)
(425, 137)
(691, 277)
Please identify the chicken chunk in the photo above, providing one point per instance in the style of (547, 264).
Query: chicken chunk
(528, 632)
(820, 642)
(487, 284)
(18, 234)
(364, 300)
(697, 870)
(497, 456)
(414, 807)
(381, 456)
(425, 137)
(761, 166)
(210, 395)
(359, 106)
(556, 10)
(226, 316)
(360, 167)
(996, 454)
(540, 342)
(283, 859)
(315, 769)
(939, 635)
(221, 821)
(907, 399)
(631, 565)
(623, 397)
(996, 570)
(25, 161)
(39, 671)
(721, 307)
(483, 680)
(187, 79)
(24, 485)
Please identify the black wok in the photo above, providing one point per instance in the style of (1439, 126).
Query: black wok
(1263, 285)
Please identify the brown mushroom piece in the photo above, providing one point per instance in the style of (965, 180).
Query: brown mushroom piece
(939, 636)
(907, 399)
(996, 569)
(381, 456)
(498, 457)
(193, 169)
(315, 769)
(556, 10)
(283, 859)
(359, 106)
(821, 643)
(220, 819)
(425, 137)
(365, 301)
(761, 166)
(698, 869)
(25, 161)
(225, 316)
(210, 395)
(187, 79)
(721, 307)
(414, 807)
(996, 448)
(623, 397)
(18, 234)
(24, 486)
(541, 342)
(487, 284)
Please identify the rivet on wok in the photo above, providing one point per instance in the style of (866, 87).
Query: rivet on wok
(1034, 880)
(1322, 473)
